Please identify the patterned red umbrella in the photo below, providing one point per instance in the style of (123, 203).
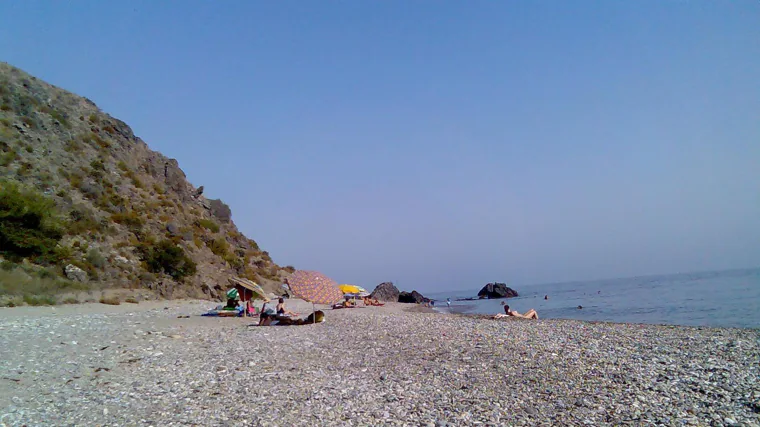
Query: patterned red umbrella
(314, 287)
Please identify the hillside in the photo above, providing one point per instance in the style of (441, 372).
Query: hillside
(86, 205)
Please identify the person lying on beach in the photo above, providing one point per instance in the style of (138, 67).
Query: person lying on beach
(375, 302)
(287, 321)
(530, 314)
(344, 304)
(281, 309)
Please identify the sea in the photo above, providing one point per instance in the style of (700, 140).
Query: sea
(716, 298)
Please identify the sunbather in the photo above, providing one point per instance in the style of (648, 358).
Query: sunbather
(370, 301)
(345, 304)
(266, 316)
(281, 309)
(250, 309)
(530, 314)
(287, 321)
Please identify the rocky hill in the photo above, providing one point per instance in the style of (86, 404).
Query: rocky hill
(87, 205)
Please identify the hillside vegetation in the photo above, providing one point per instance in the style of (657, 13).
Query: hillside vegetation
(86, 206)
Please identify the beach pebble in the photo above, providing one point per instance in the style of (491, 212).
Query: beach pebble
(373, 366)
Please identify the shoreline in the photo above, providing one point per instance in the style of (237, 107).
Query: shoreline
(301, 307)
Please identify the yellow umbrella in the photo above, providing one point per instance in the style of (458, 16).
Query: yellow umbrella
(350, 289)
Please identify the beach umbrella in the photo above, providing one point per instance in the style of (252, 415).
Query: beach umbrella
(248, 288)
(353, 291)
(314, 287)
(350, 289)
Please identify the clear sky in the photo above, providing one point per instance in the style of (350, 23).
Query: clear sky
(440, 144)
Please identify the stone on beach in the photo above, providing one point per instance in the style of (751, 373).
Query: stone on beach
(385, 291)
(413, 297)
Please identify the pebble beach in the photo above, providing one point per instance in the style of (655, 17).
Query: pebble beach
(144, 365)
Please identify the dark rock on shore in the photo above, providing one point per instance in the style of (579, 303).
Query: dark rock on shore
(385, 291)
(413, 297)
(497, 290)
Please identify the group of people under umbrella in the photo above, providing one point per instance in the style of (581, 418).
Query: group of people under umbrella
(310, 286)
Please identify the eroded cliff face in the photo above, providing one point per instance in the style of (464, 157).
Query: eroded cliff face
(119, 198)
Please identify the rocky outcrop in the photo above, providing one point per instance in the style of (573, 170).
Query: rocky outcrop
(111, 188)
(220, 210)
(413, 297)
(75, 273)
(497, 290)
(175, 179)
(385, 291)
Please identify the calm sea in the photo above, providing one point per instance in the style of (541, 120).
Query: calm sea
(722, 298)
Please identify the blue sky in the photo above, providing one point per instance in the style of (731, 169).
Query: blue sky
(439, 144)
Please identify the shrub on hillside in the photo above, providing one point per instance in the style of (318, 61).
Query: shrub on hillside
(208, 225)
(8, 157)
(219, 246)
(167, 257)
(83, 220)
(33, 286)
(96, 259)
(112, 300)
(30, 226)
(130, 219)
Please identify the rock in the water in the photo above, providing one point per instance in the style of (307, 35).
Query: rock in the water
(75, 273)
(497, 290)
(385, 292)
(411, 297)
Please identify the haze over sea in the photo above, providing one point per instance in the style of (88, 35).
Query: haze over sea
(717, 298)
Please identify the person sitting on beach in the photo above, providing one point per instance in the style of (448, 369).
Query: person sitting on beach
(281, 309)
(267, 315)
